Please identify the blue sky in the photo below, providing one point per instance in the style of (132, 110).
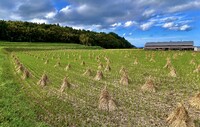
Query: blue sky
(139, 21)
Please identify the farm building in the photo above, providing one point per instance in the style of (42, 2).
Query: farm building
(180, 45)
(197, 48)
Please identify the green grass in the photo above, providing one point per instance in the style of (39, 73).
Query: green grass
(42, 45)
(79, 105)
(15, 108)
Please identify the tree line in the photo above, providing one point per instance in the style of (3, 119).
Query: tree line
(18, 31)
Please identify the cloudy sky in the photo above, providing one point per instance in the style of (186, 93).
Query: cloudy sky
(139, 21)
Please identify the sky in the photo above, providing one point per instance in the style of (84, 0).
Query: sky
(139, 21)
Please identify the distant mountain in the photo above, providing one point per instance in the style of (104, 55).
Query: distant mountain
(18, 31)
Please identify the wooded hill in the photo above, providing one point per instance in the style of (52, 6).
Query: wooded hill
(18, 31)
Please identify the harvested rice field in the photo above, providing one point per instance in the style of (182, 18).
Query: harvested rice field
(99, 87)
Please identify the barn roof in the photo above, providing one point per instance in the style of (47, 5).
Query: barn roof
(169, 43)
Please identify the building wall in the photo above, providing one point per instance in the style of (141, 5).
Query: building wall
(186, 45)
(170, 47)
(196, 48)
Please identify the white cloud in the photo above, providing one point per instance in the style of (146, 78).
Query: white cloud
(185, 27)
(186, 21)
(169, 19)
(116, 24)
(15, 17)
(33, 9)
(39, 21)
(50, 15)
(186, 6)
(86, 10)
(66, 9)
(113, 14)
(173, 26)
(129, 23)
(148, 13)
(168, 25)
(146, 26)
(94, 27)
(98, 26)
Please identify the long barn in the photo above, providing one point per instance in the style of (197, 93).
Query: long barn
(182, 45)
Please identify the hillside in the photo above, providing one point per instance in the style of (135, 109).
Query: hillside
(18, 31)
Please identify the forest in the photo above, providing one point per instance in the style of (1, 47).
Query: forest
(18, 31)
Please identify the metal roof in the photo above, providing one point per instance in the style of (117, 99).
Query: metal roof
(170, 43)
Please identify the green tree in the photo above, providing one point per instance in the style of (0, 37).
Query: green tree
(31, 32)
